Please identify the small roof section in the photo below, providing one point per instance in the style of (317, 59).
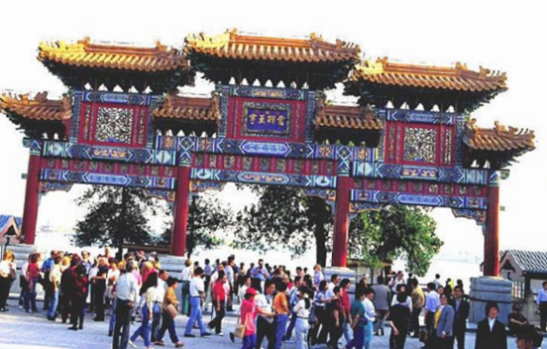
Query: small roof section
(379, 81)
(235, 46)
(116, 64)
(37, 115)
(189, 108)
(347, 117)
(6, 222)
(499, 138)
(311, 62)
(529, 261)
(40, 108)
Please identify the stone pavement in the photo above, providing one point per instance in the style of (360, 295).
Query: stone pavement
(19, 330)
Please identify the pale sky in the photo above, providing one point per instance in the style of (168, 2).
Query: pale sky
(510, 38)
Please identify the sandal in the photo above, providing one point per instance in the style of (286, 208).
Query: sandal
(159, 343)
(179, 345)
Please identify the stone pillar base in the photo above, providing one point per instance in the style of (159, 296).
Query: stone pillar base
(173, 265)
(490, 289)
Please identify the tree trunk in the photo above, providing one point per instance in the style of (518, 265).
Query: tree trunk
(122, 225)
(321, 244)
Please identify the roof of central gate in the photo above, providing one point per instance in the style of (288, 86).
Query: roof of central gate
(232, 45)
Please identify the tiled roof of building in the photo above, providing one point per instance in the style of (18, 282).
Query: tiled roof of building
(347, 117)
(530, 261)
(85, 54)
(458, 78)
(189, 108)
(40, 108)
(232, 45)
(500, 138)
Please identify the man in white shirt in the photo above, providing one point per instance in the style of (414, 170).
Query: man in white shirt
(127, 290)
(370, 314)
(185, 277)
(334, 281)
(396, 281)
(266, 326)
(197, 295)
(160, 295)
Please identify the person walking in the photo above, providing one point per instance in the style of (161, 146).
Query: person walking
(302, 311)
(197, 296)
(161, 289)
(126, 292)
(491, 333)
(219, 303)
(370, 315)
(444, 322)
(432, 303)
(46, 283)
(359, 320)
(542, 306)
(100, 287)
(248, 317)
(265, 323)
(79, 296)
(168, 321)
(147, 312)
(345, 303)
(461, 313)
(319, 332)
(185, 277)
(293, 299)
(418, 301)
(336, 316)
(399, 320)
(33, 272)
(8, 273)
(281, 307)
(55, 280)
(382, 300)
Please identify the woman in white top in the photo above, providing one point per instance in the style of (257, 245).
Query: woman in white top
(7, 275)
(302, 311)
(370, 314)
(185, 277)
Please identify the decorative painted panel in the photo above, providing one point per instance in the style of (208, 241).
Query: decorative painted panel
(114, 125)
(260, 119)
(420, 145)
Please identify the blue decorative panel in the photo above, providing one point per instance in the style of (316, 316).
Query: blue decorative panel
(478, 215)
(117, 98)
(380, 197)
(34, 145)
(266, 119)
(93, 152)
(262, 148)
(263, 178)
(107, 179)
(265, 92)
(417, 116)
(76, 111)
(420, 145)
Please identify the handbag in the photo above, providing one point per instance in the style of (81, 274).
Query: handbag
(172, 310)
(239, 331)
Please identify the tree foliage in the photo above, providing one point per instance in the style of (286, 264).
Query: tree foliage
(206, 217)
(115, 216)
(395, 232)
(285, 217)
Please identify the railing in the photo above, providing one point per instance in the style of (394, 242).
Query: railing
(518, 290)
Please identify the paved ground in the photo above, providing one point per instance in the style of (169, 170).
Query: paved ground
(19, 330)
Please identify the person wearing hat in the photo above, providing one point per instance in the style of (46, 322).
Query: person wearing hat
(491, 333)
(249, 311)
(529, 338)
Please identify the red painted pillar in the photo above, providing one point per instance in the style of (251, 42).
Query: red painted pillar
(32, 195)
(491, 236)
(341, 222)
(178, 245)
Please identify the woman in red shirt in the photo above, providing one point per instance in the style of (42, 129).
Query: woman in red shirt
(219, 302)
(33, 273)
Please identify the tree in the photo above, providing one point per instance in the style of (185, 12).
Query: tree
(284, 216)
(395, 232)
(115, 216)
(206, 216)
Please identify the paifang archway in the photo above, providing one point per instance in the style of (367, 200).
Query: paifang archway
(409, 141)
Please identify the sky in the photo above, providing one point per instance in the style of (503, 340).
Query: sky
(505, 37)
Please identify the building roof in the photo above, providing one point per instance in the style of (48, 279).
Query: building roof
(6, 221)
(498, 139)
(112, 56)
(189, 108)
(378, 81)
(40, 108)
(530, 261)
(232, 45)
(347, 117)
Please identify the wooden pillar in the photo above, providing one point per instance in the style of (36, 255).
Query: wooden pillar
(178, 241)
(341, 222)
(491, 235)
(32, 196)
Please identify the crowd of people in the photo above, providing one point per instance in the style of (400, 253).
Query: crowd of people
(274, 306)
